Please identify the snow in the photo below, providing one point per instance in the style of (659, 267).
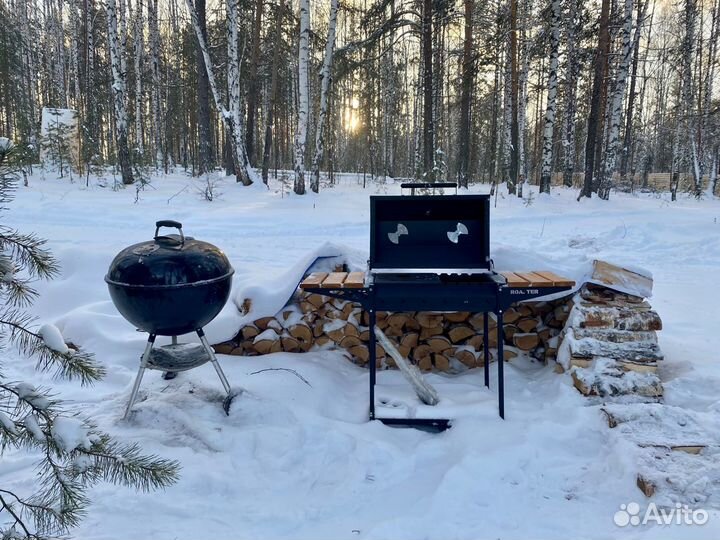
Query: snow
(70, 433)
(53, 339)
(298, 462)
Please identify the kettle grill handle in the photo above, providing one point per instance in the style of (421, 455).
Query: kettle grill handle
(169, 223)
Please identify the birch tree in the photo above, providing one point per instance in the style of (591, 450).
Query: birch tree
(594, 124)
(547, 157)
(272, 96)
(572, 70)
(617, 98)
(138, 45)
(154, 34)
(468, 71)
(232, 118)
(688, 55)
(303, 97)
(119, 90)
(325, 79)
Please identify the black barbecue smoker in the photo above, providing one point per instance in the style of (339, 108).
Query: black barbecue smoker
(432, 253)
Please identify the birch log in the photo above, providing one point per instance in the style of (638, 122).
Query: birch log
(424, 391)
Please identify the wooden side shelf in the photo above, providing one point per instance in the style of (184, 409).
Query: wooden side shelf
(356, 280)
(334, 280)
(537, 278)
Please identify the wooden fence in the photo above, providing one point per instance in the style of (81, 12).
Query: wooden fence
(655, 182)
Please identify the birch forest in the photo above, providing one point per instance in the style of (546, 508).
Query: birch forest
(593, 94)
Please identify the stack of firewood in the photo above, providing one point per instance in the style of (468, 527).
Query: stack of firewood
(441, 341)
(611, 342)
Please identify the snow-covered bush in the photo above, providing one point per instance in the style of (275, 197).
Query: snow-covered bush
(74, 454)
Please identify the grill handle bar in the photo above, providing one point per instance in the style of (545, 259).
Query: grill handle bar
(169, 223)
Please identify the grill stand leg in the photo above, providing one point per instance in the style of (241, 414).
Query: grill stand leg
(170, 375)
(373, 362)
(213, 359)
(500, 364)
(138, 378)
(486, 350)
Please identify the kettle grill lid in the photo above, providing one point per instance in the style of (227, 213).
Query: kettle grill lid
(168, 261)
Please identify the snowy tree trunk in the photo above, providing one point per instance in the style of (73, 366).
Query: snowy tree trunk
(138, 62)
(688, 54)
(232, 119)
(547, 157)
(572, 70)
(303, 97)
(617, 99)
(252, 90)
(325, 78)
(74, 52)
(119, 90)
(507, 118)
(593, 141)
(709, 134)
(272, 97)
(155, 70)
(525, 20)
(468, 72)
(242, 164)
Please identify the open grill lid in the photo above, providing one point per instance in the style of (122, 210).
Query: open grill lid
(430, 231)
(168, 261)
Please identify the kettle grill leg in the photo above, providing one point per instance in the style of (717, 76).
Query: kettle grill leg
(138, 378)
(213, 359)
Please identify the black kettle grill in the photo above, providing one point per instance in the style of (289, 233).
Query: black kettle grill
(169, 286)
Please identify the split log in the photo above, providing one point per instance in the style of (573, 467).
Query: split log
(290, 344)
(348, 342)
(410, 340)
(456, 317)
(351, 330)
(622, 279)
(420, 352)
(441, 362)
(645, 485)
(428, 332)
(511, 315)
(526, 342)
(510, 330)
(249, 332)
(428, 319)
(224, 348)
(322, 340)
(439, 344)
(466, 357)
(264, 323)
(316, 300)
(361, 353)
(397, 320)
(618, 318)
(460, 333)
(527, 325)
(393, 331)
(425, 364)
(303, 335)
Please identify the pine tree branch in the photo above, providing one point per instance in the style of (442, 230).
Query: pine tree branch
(18, 520)
(74, 364)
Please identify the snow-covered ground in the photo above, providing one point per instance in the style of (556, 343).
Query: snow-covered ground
(300, 461)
